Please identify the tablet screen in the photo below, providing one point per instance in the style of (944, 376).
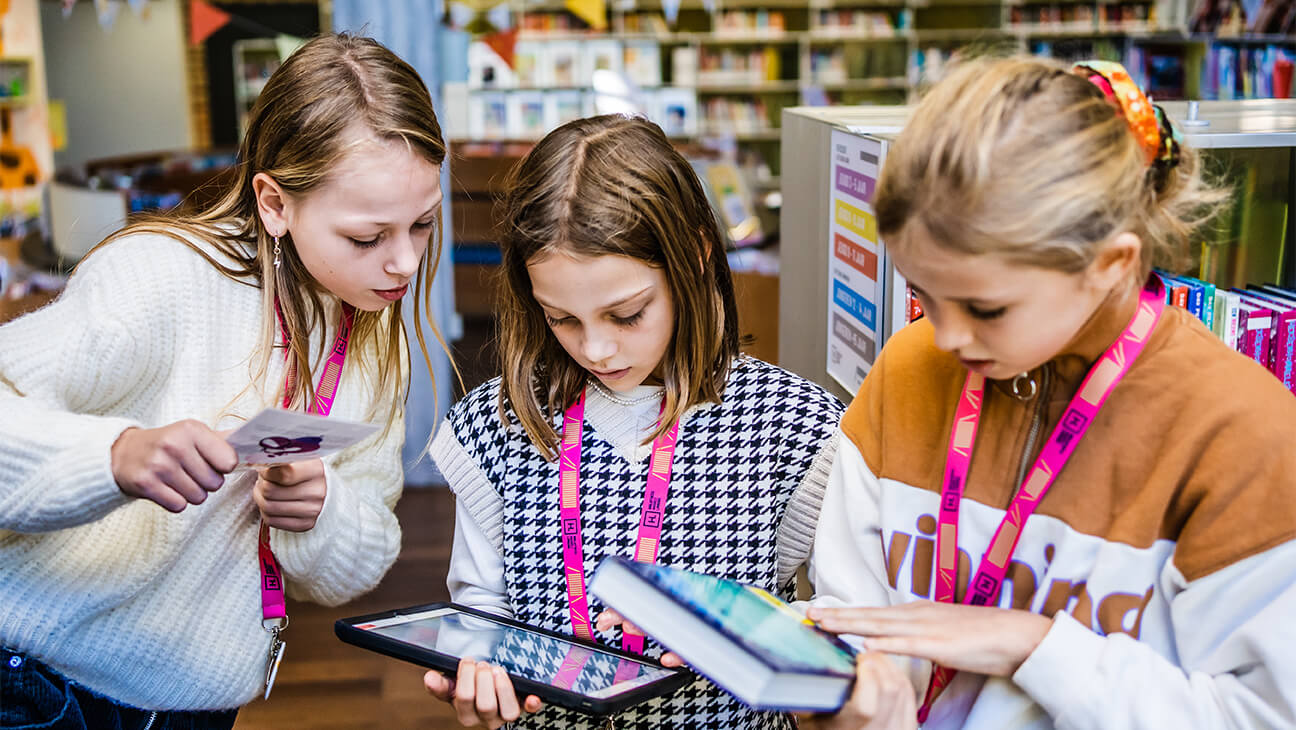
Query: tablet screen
(522, 653)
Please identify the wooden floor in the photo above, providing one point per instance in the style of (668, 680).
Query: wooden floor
(324, 683)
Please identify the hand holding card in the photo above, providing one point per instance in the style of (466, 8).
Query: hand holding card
(276, 436)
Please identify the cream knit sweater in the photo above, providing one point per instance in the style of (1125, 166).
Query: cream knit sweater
(161, 610)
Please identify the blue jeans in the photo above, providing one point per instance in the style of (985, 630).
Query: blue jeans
(35, 697)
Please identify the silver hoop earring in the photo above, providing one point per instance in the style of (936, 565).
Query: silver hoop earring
(276, 253)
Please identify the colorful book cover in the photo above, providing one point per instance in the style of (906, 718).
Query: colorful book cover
(526, 114)
(1256, 332)
(601, 55)
(1284, 340)
(761, 623)
(563, 65)
(563, 106)
(677, 112)
(528, 64)
(1208, 303)
(643, 63)
(1234, 323)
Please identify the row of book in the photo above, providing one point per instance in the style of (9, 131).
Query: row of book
(724, 115)
(1082, 17)
(837, 64)
(531, 114)
(1233, 17)
(563, 63)
(650, 23)
(861, 22)
(750, 22)
(738, 66)
(1258, 321)
(1247, 72)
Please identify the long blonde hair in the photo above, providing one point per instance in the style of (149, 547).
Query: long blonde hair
(611, 185)
(1023, 158)
(297, 132)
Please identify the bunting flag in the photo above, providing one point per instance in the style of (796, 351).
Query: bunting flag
(67, 6)
(670, 8)
(204, 19)
(458, 15)
(593, 12)
(503, 43)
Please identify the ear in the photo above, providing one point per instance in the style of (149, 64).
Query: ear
(1117, 261)
(272, 204)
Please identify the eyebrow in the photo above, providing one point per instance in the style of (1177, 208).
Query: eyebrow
(387, 224)
(613, 305)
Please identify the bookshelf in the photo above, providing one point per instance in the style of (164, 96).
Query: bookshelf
(729, 70)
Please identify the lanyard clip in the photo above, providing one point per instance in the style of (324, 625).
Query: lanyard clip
(275, 625)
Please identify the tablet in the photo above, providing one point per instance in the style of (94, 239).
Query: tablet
(559, 669)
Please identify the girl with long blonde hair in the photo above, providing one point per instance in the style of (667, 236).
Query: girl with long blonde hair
(144, 576)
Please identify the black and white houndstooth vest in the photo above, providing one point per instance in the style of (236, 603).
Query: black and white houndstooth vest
(736, 466)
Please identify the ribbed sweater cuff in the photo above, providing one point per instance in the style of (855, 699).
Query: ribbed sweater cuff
(796, 532)
(470, 485)
(1069, 650)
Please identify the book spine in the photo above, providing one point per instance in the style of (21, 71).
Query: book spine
(1236, 323)
(1285, 354)
(1218, 321)
(1243, 343)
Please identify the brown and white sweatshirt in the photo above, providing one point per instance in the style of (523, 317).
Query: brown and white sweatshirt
(1165, 550)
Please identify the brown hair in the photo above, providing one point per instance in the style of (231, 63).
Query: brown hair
(611, 185)
(297, 132)
(1023, 158)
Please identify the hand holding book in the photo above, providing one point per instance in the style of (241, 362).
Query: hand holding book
(883, 699)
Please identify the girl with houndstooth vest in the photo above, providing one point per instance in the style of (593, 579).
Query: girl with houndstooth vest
(618, 333)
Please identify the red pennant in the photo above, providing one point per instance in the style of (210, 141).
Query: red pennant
(502, 42)
(204, 19)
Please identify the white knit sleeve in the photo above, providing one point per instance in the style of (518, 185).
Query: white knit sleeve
(356, 537)
(796, 531)
(70, 375)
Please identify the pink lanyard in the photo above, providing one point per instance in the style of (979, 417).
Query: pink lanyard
(273, 608)
(1080, 413)
(650, 519)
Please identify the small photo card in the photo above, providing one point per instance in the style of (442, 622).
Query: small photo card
(275, 436)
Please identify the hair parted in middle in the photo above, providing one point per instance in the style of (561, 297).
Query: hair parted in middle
(611, 185)
(332, 95)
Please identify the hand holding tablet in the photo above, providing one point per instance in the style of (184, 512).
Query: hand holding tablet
(563, 670)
